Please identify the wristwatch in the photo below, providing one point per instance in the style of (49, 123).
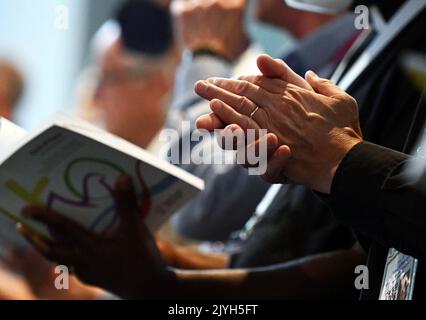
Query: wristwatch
(209, 52)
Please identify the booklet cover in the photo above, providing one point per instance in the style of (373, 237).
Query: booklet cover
(70, 166)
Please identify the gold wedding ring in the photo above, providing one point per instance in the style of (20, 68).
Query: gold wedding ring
(254, 112)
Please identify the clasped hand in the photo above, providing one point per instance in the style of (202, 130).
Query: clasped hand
(311, 122)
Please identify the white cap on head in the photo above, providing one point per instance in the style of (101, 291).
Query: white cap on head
(321, 6)
(106, 35)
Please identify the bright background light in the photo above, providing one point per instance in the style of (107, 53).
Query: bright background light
(51, 58)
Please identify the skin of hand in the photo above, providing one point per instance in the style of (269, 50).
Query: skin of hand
(312, 123)
(216, 25)
(40, 276)
(13, 287)
(128, 263)
(124, 261)
(189, 258)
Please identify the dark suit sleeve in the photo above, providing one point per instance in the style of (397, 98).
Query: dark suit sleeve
(372, 193)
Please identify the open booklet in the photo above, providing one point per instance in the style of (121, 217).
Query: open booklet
(70, 166)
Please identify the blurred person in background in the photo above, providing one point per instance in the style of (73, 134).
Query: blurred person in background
(11, 89)
(107, 45)
(136, 58)
(137, 74)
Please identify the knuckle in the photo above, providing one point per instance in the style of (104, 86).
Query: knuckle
(259, 80)
(244, 104)
(252, 79)
(286, 103)
(352, 102)
(293, 92)
(348, 130)
(349, 101)
(294, 104)
(242, 86)
(208, 91)
(324, 82)
(299, 97)
(342, 96)
(312, 116)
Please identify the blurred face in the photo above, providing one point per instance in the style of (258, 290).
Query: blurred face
(131, 96)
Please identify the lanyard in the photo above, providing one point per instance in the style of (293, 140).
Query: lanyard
(260, 211)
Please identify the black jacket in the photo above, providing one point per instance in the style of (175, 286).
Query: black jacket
(369, 192)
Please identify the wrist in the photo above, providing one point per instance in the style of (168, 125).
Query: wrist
(227, 50)
(207, 51)
(325, 183)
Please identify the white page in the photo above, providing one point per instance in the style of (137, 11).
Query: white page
(63, 166)
(10, 134)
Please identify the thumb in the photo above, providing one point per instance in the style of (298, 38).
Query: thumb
(209, 122)
(276, 166)
(322, 86)
(125, 200)
(277, 68)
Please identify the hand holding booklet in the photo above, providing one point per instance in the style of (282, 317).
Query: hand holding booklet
(71, 167)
